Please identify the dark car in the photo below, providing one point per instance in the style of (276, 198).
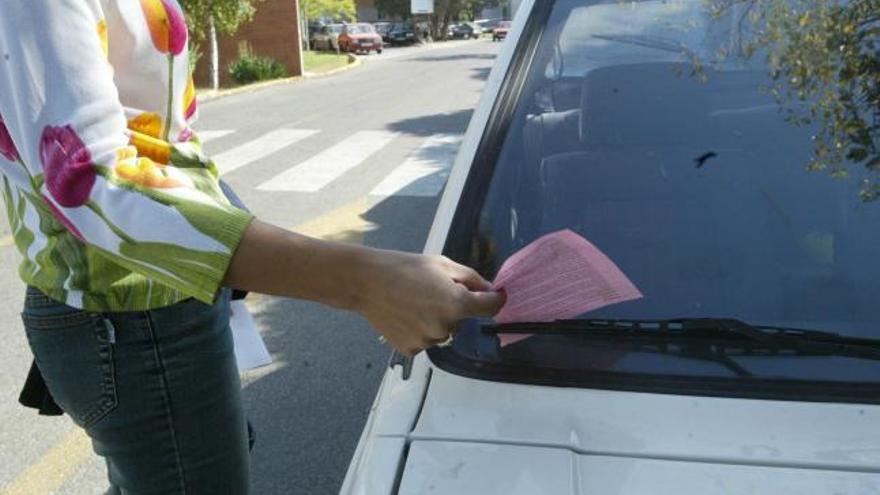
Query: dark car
(463, 31)
(382, 28)
(400, 33)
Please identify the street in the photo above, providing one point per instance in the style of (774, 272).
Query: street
(360, 157)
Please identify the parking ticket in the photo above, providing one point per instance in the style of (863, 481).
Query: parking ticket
(558, 276)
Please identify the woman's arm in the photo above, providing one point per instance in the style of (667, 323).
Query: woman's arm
(415, 301)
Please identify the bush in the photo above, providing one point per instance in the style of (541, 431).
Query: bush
(250, 68)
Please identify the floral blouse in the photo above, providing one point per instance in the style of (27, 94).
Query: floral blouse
(110, 199)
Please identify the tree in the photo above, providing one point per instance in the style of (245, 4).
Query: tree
(334, 9)
(824, 58)
(206, 17)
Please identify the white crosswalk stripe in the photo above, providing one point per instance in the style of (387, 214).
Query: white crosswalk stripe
(211, 135)
(424, 173)
(259, 148)
(315, 173)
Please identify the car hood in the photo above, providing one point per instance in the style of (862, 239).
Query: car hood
(486, 469)
(481, 437)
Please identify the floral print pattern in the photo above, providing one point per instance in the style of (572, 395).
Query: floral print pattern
(167, 26)
(109, 212)
(7, 147)
(67, 165)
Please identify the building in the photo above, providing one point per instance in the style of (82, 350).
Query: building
(274, 32)
(367, 11)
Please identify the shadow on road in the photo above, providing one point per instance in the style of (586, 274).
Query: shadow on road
(456, 57)
(428, 125)
(481, 73)
(309, 412)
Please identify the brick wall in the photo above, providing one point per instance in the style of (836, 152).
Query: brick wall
(273, 32)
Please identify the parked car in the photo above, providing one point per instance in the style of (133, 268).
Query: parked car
(500, 32)
(463, 30)
(382, 28)
(327, 38)
(400, 33)
(752, 363)
(314, 28)
(487, 25)
(360, 38)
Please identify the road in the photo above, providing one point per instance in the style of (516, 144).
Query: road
(359, 157)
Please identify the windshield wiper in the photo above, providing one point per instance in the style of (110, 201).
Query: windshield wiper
(716, 339)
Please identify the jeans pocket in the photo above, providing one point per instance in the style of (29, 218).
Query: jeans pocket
(73, 351)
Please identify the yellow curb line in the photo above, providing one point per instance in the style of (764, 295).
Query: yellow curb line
(53, 468)
(208, 95)
(343, 224)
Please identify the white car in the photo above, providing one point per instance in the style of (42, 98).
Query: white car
(752, 363)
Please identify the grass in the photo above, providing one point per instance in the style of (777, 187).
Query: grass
(321, 62)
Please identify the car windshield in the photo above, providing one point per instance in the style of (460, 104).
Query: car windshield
(360, 29)
(400, 27)
(504, 25)
(334, 29)
(721, 153)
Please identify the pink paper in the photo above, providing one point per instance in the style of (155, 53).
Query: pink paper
(558, 276)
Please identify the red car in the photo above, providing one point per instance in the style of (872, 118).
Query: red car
(360, 37)
(500, 32)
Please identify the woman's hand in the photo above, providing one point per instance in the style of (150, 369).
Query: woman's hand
(417, 301)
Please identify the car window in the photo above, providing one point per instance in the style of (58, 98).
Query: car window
(359, 29)
(708, 148)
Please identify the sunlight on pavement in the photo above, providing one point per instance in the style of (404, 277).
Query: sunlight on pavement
(54, 468)
(344, 224)
(6, 241)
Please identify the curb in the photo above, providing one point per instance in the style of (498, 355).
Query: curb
(209, 95)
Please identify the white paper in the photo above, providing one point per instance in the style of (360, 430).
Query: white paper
(250, 351)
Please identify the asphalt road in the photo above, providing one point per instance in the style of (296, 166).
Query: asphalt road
(360, 157)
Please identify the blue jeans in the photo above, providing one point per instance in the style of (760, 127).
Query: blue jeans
(158, 392)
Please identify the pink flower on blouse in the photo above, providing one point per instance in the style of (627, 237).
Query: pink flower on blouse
(167, 26)
(67, 166)
(7, 147)
(185, 135)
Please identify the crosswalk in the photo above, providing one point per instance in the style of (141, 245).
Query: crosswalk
(315, 173)
(259, 148)
(422, 173)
